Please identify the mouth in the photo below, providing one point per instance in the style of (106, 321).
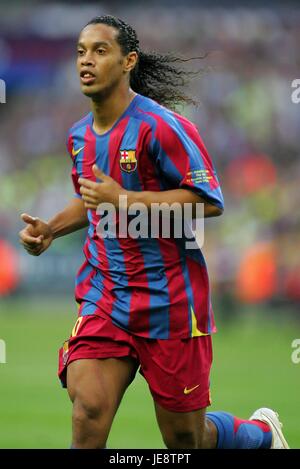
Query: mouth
(87, 77)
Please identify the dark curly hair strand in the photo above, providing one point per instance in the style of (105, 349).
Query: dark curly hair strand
(155, 75)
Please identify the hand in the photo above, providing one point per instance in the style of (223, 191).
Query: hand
(37, 236)
(94, 193)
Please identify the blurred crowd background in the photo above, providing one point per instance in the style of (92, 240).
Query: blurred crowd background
(245, 115)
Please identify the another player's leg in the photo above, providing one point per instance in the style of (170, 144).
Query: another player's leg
(96, 387)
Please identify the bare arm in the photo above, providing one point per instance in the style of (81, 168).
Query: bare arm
(72, 218)
(38, 235)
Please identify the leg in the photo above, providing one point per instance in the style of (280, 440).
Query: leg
(220, 430)
(261, 431)
(186, 430)
(177, 372)
(96, 387)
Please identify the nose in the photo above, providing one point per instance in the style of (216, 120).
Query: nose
(87, 60)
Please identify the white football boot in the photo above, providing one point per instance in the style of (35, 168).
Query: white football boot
(270, 417)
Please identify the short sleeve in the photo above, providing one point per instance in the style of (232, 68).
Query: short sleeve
(181, 158)
(74, 173)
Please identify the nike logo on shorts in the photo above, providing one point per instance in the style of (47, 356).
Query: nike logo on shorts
(188, 391)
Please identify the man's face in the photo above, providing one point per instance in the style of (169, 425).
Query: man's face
(100, 63)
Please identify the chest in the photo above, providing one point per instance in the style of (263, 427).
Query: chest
(122, 154)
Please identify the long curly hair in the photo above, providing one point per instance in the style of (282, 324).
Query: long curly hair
(155, 75)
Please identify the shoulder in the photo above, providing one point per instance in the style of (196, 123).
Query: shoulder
(161, 118)
(149, 111)
(80, 125)
(76, 133)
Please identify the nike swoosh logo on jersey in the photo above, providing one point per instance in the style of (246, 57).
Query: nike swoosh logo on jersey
(188, 391)
(75, 152)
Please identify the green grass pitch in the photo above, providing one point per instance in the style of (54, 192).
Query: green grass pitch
(252, 368)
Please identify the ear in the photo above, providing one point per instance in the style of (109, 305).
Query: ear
(130, 61)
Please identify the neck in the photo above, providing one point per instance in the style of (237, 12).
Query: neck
(107, 110)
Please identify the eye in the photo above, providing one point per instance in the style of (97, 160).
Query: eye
(80, 52)
(101, 51)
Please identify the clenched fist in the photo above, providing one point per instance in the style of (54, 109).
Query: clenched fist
(37, 236)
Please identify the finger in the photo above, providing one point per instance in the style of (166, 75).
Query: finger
(90, 200)
(90, 205)
(88, 192)
(98, 173)
(29, 219)
(30, 251)
(30, 247)
(33, 252)
(87, 183)
(30, 240)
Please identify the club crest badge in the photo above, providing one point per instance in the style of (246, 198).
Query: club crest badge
(65, 352)
(128, 161)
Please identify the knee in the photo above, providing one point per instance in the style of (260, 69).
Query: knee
(180, 439)
(91, 423)
(89, 408)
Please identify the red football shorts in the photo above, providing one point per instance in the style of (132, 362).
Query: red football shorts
(176, 370)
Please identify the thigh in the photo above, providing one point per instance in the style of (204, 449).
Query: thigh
(177, 372)
(96, 365)
(96, 387)
(94, 337)
(100, 382)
